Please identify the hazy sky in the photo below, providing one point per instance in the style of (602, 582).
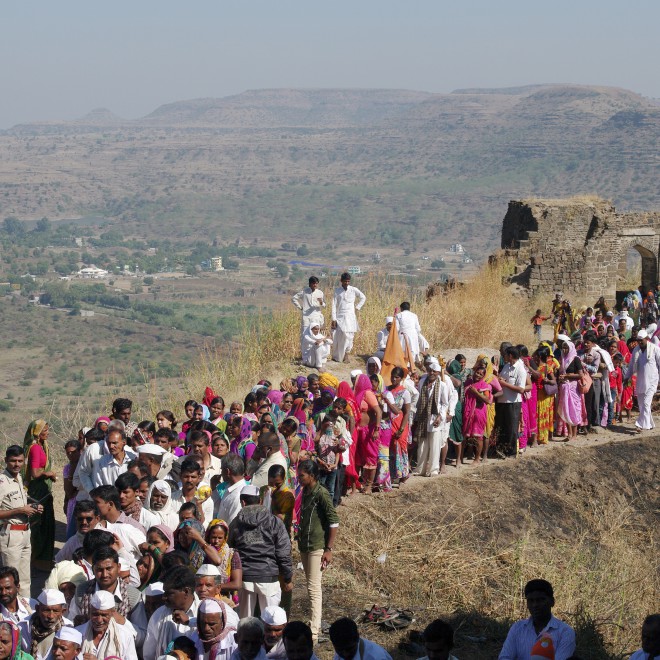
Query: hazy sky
(62, 58)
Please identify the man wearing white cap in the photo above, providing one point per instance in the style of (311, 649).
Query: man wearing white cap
(67, 645)
(102, 636)
(645, 364)
(216, 630)
(381, 337)
(435, 409)
(38, 630)
(208, 581)
(153, 598)
(274, 619)
(311, 302)
(264, 545)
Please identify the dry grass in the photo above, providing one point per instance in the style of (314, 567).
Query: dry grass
(447, 562)
(483, 312)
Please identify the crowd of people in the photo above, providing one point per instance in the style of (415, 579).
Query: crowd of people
(179, 535)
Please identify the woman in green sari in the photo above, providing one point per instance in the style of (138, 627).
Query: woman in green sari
(10, 642)
(39, 479)
(458, 372)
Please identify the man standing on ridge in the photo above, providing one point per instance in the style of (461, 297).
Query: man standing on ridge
(345, 302)
(311, 301)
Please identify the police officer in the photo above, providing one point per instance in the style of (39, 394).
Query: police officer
(14, 518)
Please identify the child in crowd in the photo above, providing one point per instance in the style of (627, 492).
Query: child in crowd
(616, 390)
(537, 322)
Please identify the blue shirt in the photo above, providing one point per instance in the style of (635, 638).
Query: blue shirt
(522, 637)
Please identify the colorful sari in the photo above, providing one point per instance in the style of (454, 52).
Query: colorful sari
(545, 403)
(490, 379)
(456, 424)
(367, 450)
(16, 652)
(475, 411)
(571, 401)
(528, 411)
(344, 391)
(399, 464)
(43, 525)
(244, 445)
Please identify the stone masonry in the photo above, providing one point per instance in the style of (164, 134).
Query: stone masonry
(578, 246)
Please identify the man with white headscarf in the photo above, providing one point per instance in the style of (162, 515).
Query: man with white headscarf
(645, 364)
(216, 630)
(159, 501)
(435, 409)
(382, 336)
(102, 636)
(315, 347)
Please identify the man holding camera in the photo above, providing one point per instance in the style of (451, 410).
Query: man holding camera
(14, 514)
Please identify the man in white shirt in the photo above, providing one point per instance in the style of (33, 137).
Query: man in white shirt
(13, 606)
(233, 471)
(645, 364)
(67, 645)
(349, 645)
(650, 639)
(346, 300)
(115, 462)
(87, 517)
(524, 635)
(311, 301)
(513, 379)
(409, 329)
(128, 485)
(382, 336)
(41, 626)
(103, 636)
(200, 444)
(216, 623)
(623, 315)
(177, 617)
(191, 478)
(267, 453)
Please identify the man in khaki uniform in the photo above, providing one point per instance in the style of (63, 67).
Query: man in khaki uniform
(14, 514)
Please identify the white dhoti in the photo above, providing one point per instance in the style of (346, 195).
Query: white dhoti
(429, 449)
(644, 402)
(316, 355)
(342, 343)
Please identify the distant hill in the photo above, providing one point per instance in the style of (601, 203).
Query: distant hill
(394, 167)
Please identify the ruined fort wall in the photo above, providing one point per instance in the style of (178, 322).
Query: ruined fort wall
(577, 246)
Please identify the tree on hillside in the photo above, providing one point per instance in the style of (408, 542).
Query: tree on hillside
(437, 264)
(12, 225)
(43, 226)
(303, 250)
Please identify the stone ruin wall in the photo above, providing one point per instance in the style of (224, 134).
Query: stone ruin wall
(577, 247)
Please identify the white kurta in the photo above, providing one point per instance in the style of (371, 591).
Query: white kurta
(409, 328)
(646, 366)
(381, 338)
(344, 304)
(311, 303)
(315, 349)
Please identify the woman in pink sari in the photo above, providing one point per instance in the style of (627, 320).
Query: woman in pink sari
(571, 403)
(478, 396)
(368, 431)
(529, 403)
(344, 391)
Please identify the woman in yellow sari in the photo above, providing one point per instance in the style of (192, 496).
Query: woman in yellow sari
(548, 367)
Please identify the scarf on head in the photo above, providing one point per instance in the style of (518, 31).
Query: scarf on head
(567, 359)
(327, 380)
(168, 516)
(226, 553)
(195, 552)
(121, 606)
(362, 386)
(297, 410)
(41, 633)
(134, 510)
(212, 644)
(110, 644)
(344, 391)
(32, 438)
(15, 633)
(209, 395)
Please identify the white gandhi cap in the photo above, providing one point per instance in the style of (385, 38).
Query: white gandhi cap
(103, 600)
(273, 616)
(51, 597)
(69, 634)
(208, 569)
(149, 448)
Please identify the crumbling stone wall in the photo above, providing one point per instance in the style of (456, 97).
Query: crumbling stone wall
(578, 246)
